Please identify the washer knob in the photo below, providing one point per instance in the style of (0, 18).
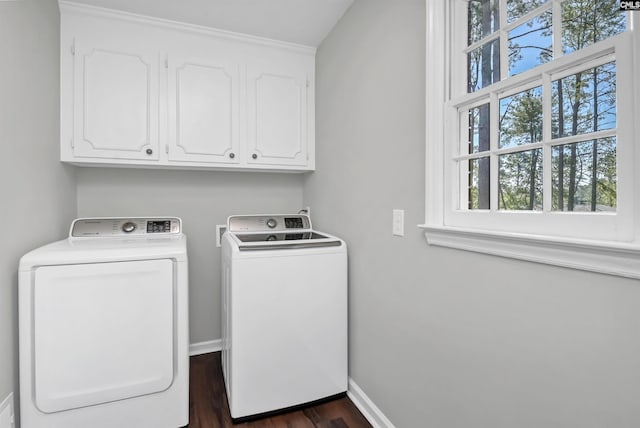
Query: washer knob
(271, 223)
(128, 227)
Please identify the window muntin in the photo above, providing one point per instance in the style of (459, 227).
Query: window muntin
(479, 186)
(517, 8)
(520, 180)
(592, 187)
(483, 19)
(585, 22)
(518, 121)
(483, 64)
(584, 102)
(479, 128)
(532, 32)
(530, 44)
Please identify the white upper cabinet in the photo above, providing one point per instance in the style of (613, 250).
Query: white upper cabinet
(139, 91)
(204, 115)
(278, 114)
(115, 102)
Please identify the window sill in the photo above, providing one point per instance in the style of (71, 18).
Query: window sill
(610, 258)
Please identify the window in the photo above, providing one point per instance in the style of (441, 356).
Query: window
(539, 138)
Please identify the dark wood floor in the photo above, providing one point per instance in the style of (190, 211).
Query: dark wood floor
(209, 407)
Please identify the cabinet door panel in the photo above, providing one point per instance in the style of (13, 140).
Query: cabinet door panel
(115, 103)
(203, 103)
(277, 122)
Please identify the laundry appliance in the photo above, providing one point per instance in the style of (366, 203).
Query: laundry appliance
(103, 327)
(284, 313)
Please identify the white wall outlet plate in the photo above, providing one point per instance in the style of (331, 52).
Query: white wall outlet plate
(220, 230)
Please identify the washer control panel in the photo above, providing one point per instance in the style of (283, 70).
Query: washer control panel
(125, 226)
(257, 223)
(272, 223)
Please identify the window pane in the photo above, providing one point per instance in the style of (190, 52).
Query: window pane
(483, 19)
(584, 176)
(519, 8)
(530, 44)
(520, 181)
(483, 66)
(521, 118)
(479, 183)
(585, 22)
(479, 129)
(588, 101)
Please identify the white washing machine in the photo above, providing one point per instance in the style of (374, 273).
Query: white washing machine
(284, 314)
(104, 332)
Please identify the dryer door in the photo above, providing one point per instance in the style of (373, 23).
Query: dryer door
(102, 332)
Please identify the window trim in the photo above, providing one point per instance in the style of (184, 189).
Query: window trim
(603, 256)
(609, 258)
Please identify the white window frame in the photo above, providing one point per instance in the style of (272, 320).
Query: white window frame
(607, 243)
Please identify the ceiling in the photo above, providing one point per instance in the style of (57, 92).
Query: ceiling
(305, 22)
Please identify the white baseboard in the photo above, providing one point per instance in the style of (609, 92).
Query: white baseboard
(205, 347)
(370, 411)
(6, 412)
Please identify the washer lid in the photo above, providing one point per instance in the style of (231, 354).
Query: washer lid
(277, 232)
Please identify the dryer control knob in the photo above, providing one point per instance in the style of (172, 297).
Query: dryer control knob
(128, 227)
(272, 223)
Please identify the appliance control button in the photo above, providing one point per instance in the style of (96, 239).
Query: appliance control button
(272, 238)
(128, 227)
(271, 223)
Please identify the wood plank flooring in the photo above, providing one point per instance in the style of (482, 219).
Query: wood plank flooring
(209, 407)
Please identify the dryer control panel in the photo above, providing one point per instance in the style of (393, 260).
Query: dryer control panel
(123, 226)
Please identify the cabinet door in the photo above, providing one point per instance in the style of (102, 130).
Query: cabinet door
(115, 105)
(203, 110)
(277, 115)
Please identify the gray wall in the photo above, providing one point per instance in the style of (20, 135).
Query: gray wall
(37, 192)
(440, 337)
(202, 199)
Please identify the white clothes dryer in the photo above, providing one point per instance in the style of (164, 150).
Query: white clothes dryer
(284, 313)
(103, 320)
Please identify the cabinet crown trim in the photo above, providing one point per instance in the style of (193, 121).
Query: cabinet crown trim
(67, 6)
